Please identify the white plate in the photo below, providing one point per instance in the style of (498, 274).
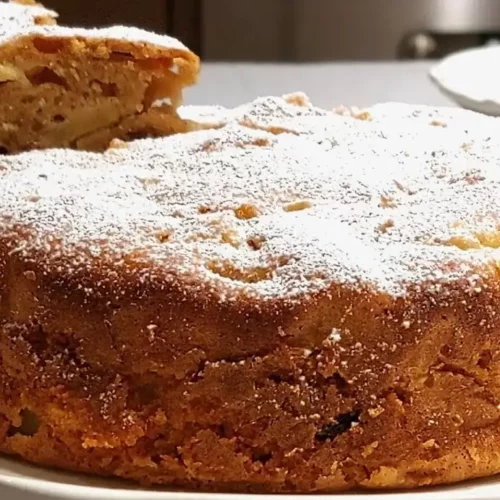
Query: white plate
(60, 485)
(471, 78)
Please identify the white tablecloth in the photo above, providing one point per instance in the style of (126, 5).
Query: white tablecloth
(327, 85)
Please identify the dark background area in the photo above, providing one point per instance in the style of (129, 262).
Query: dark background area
(180, 18)
(302, 30)
(151, 14)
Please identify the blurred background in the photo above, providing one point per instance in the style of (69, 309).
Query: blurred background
(339, 52)
(303, 30)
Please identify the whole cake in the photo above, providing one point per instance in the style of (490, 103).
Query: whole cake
(292, 299)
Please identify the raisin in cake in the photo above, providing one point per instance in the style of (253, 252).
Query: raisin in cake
(81, 88)
(292, 300)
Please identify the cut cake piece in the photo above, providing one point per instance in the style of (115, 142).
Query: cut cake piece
(80, 88)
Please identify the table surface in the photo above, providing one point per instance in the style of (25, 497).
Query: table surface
(328, 85)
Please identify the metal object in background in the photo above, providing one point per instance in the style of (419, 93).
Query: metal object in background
(325, 30)
(420, 45)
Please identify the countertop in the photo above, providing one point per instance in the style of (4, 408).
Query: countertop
(328, 85)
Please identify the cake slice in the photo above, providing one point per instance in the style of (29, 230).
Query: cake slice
(80, 88)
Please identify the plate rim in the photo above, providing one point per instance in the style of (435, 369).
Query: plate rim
(474, 101)
(20, 479)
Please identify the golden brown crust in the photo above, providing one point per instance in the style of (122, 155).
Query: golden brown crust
(58, 85)
(200, 396)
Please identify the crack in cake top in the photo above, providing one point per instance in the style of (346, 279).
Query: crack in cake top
(281, 200)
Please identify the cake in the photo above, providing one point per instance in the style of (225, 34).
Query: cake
(287, 300)
(81, 88)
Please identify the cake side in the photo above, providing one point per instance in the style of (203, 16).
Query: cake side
(346, 389)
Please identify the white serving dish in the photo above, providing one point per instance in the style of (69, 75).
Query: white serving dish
(471, 78)
(33, 483)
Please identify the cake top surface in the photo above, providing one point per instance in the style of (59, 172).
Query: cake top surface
(18, 20)
(281, 201)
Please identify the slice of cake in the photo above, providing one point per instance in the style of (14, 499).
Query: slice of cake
(80, 88)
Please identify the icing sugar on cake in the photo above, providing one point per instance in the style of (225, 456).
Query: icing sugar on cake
(18, 20)
(407, 196)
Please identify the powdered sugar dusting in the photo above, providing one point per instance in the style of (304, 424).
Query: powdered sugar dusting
(389, 202)
(212, 116)
(18, 18)
(270, 113)
(17, 21)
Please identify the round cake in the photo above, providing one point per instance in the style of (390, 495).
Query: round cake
(289, 300)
